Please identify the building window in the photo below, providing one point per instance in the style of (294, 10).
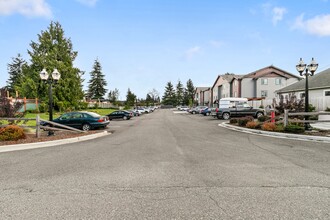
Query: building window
(264, 81)
(278, 81)
(302, 95)
(327, 93)
(263, 93)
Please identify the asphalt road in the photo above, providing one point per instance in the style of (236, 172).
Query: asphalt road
(168, 166)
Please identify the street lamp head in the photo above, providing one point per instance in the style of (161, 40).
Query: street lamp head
(44, 75)
(301, 66)
(312, 67)
(56, 75)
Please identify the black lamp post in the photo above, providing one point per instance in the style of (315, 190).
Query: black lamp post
(309, 71)
(55, 76)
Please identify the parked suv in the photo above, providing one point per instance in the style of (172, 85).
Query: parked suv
(235, 107)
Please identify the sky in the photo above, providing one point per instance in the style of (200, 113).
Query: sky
(143, 44)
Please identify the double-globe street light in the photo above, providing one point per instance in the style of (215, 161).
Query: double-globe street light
(309, 71)
(45, 77)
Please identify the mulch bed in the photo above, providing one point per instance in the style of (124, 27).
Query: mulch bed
(31, 138)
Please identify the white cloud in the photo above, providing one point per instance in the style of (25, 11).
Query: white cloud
(31, 8)
(88, 2)
(278, 13)
(319, 25)
(191, 52)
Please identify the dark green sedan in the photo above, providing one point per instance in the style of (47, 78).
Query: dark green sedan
(82, 120)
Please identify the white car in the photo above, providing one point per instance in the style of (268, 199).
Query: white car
(184, 108)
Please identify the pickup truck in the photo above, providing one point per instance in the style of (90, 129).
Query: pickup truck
(235, 107)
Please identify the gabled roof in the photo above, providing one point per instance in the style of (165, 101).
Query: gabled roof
(201, 88)
(270, 69)
(318, 81)
(228, 77)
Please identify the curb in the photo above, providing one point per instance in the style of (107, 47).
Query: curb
(276, 135)
(28, 146)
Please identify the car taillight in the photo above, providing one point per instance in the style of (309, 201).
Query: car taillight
(216, 110)
(100, 120)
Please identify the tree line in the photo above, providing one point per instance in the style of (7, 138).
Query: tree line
(179, 95)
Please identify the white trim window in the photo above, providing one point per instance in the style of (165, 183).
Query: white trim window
(264, 81)
(264, 93)
(278, 81)
(326, 92)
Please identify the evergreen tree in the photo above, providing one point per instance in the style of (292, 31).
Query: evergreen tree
(52, 51)
(130, 98)
(189, 93)
(97, 82)
(113, 96)
(149, 100)
(169, 95)
(179, 93)
(15, 71)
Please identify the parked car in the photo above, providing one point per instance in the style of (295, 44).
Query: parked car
(235, 107)
(120, 114)
(197, 109)
(81, 120)
(206, 111)
(184, 108)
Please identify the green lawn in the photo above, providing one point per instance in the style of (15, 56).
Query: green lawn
(57, 114)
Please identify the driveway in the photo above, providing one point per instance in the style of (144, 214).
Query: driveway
(168, 166)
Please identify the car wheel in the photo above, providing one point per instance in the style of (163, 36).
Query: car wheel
(260, 114)
(194, 113)
(125, 117)
(226, 116)
(208, 113)
(86, 127)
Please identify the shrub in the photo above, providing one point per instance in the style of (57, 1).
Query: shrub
(43, 107)
(279, 128)
(233, 121)
(263, 118)
(244, 121)
(327, 109)
(252, 124)
(261, 106)
(296, 129)
(268, 126)
(11, 133)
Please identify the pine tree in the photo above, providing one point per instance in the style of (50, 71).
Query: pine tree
(169, 95)
(52, 51)
(15, 71)
(179, 93)
(97, 82)
(130, 98)
(189, 93)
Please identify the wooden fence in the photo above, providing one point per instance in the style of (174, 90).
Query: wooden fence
(286, 119)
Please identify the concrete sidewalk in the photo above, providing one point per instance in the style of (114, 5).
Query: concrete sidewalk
(16, 147)
(323, 139)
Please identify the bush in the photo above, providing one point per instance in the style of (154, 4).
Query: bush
(263, 118)
(11, 133)
(327, 109)
(43, 107)
(243, 121)
(296, 129)
(279, 128)
(252, 124)
(233, 121)
(268, 126)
